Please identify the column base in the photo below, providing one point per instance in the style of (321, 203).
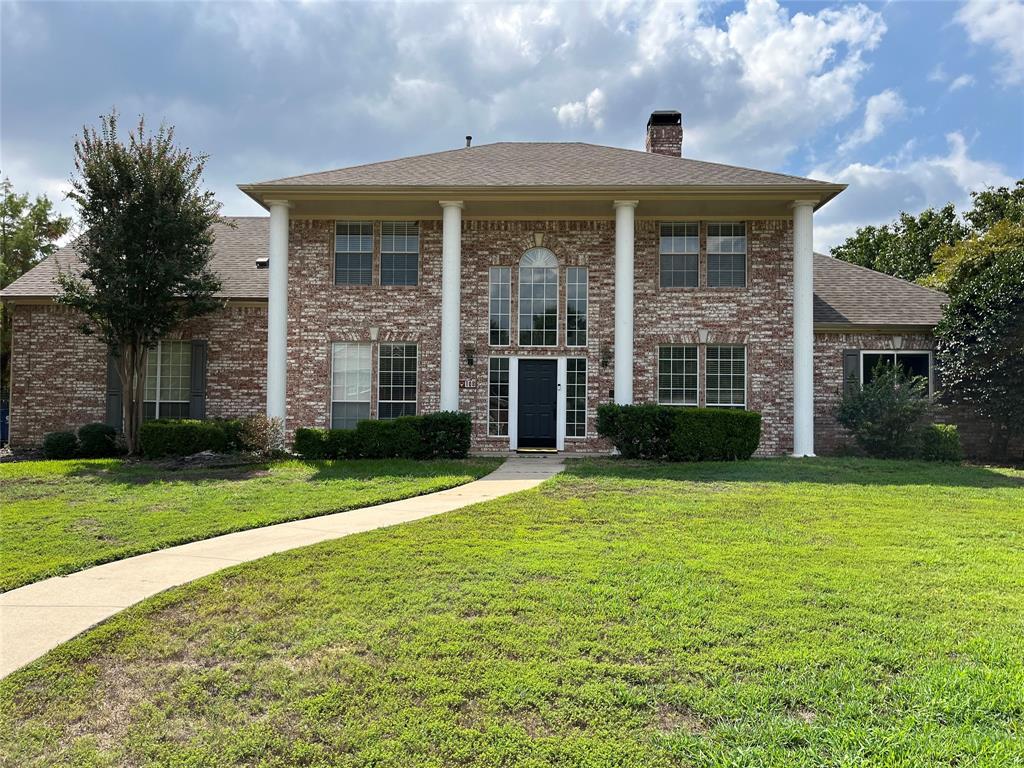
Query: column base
(803, 455)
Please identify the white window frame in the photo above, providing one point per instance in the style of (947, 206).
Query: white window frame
(490, 283)
(661, 286)
(746, 376)
(931, 362)
(508, 398)
(416, 397)
(586, 394)
(419, 248)
(586, 312)
(335, 252)
(369, 395)
(519, 298)
(657, 375)
(157, 401)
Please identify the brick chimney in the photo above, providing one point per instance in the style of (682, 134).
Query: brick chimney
(665, 133)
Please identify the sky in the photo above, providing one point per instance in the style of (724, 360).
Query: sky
(912, 104)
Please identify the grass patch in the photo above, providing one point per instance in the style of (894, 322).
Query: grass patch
(769, 613)
(62, 516)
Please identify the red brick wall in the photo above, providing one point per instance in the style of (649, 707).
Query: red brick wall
(59, 375)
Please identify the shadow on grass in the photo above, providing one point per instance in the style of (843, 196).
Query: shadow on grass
(828, 471)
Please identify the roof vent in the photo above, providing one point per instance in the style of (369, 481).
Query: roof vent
(665, 133)
(262, 262)
(469, 141)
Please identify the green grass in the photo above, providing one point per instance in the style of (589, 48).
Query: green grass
(767, 613)
(62, 516)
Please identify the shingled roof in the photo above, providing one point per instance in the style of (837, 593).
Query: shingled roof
(239, 241)
(542, 164)
(844, 294)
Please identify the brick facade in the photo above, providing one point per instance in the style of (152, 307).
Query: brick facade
(59, 375)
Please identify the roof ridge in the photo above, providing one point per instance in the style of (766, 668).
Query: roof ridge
(883, 274)
(365, 165)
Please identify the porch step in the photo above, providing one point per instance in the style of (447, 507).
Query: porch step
(536, 450)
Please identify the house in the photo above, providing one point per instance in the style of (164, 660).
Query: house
(524, 283)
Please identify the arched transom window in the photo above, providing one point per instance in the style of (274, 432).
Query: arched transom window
(538, 298)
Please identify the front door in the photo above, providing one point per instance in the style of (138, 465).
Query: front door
(538, 394)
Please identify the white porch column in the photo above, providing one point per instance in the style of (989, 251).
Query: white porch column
(803, 328)
(277, 312)
(451, 269)
(625, 211)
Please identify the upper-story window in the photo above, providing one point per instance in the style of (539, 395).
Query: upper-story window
(399, 253)
(679, 248)
(538, 298)
(727, 255)
(576, 306)
(499, 292)
(353, 253)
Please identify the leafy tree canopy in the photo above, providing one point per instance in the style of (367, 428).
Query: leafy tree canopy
(29, 232)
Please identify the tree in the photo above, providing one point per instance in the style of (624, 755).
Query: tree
(145, 250)
(981, 334)
(28, 233)
(904, 248)
(996, 204)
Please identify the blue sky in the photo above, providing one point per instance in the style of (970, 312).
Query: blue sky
(910, 103)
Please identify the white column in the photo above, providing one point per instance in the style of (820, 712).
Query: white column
(277, 312)
(803, 328)
(451, 269)
(625, 211)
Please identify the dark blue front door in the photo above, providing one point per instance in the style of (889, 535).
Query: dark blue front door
(538, 392)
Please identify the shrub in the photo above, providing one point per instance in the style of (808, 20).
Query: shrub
(310, 443)
(663, 432)
(97, 440)
(939, 442)
(885, 415)
(259, 434)
(232, 429)
(60, 445)
(183, 437)
(387, 439)
(340, 444)
(445, 435)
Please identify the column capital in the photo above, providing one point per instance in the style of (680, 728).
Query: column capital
(451, 204)
(803, 204)
(625, 204)
(276, 201)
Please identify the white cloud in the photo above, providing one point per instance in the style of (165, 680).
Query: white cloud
(882, 109)
(963, 81)
(877, 193)
(591, 109)
(998, 25)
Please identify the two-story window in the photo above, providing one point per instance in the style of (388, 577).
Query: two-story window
(538, 298)
(725, 375)
(576, 299)
(499, 292)
(399, 253)
(727, 255)
(167, 383)
(679, 254)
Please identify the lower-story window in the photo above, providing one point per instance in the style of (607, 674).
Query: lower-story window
(497, 398)
(576, 397)
(396, 381)
(725, 377)
(168, 378)
(677, 375)
(911, 363)
(350, 384)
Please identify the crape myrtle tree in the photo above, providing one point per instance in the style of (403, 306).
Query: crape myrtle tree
(145, 249)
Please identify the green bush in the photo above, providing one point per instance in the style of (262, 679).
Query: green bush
(939, 442)
(164, 437)
(886, 414)
(434, 435)
(97, 441)
(232, 429)
(60, 445)
(663, 432)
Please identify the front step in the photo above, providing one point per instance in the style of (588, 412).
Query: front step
(536, 450)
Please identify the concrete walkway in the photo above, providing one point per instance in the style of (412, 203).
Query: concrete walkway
(38, 617)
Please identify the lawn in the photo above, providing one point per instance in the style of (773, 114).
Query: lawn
(62, 516)
(765, 613)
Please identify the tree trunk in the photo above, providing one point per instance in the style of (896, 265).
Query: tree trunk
(131, 369)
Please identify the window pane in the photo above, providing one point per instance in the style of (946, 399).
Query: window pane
(725, 378)
(347, 415)
(576, 306)
(353, 253)
(399, 253)
(913, 363)
(677, 375)
(727, 255)
(396, 381)
(350, 373)
(679, 245)
(576, 397)
(500, 305)
(497, 402)
(175, 371)
(538, 299)
(872, 361)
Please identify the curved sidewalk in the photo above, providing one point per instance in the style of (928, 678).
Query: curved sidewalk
(38, 617)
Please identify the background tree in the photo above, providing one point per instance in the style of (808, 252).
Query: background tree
(996, 204)
(145, 250)
(29, 232)
(981, 334)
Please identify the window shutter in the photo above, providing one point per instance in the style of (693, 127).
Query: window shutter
(115, 414)
(197, 390)
(851, 370)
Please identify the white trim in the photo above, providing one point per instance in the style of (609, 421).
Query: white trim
(416, 399)
(519, 297)
(657, 373)
(586, 396)
(931, 360)
(490, 269)
(746, 377)
(513, 403)
(560, 390)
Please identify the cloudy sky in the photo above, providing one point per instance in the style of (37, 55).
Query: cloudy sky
(910, 103)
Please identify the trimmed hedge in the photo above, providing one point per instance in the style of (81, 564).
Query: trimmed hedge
(670, 433)
(431, 436)
(97, 441)
(182, 437)
(940, 442)
(60, 445)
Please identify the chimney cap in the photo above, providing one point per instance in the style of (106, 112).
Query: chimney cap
(665, 117)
